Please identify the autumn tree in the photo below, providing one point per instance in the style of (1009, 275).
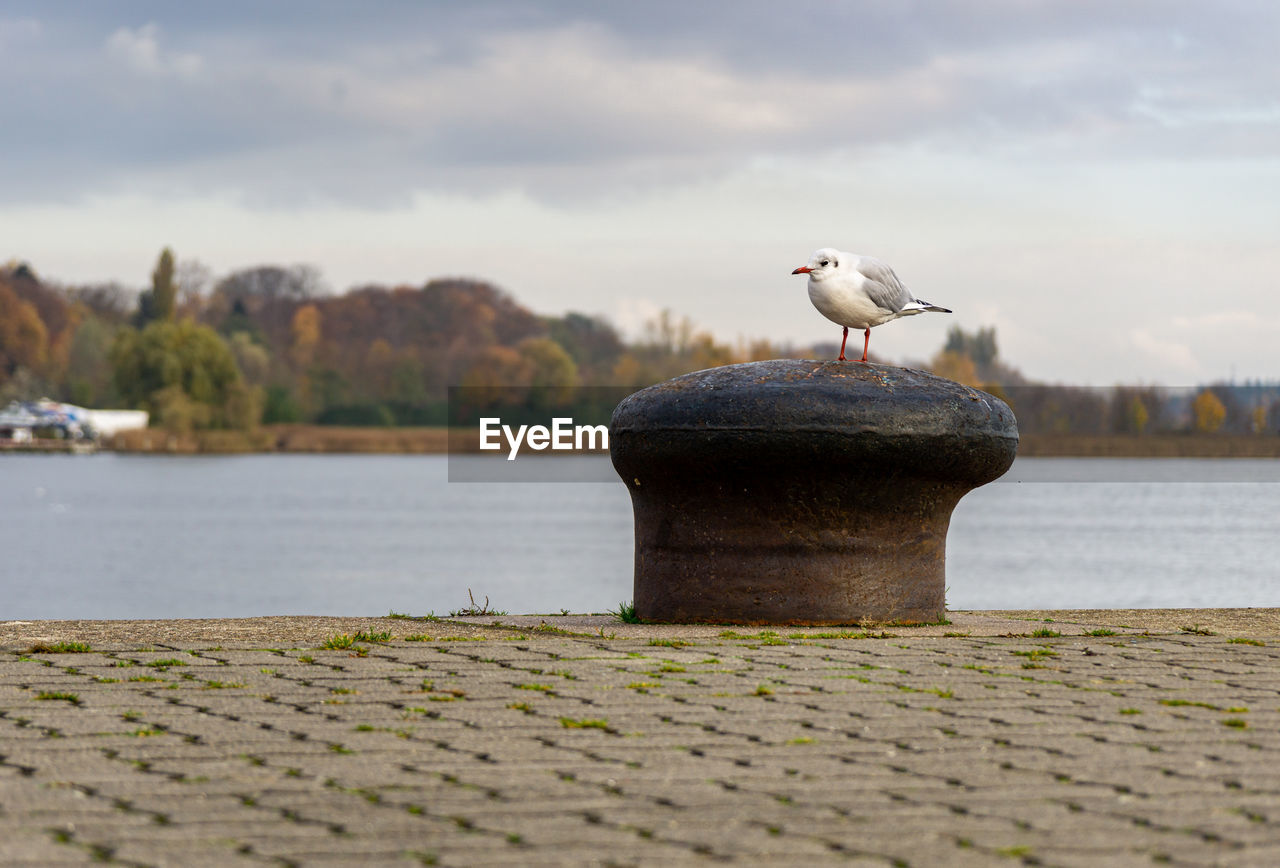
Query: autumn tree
(1138, 415)
(1134, 408)
(592, 343)
(271, 282)
(24, 338)
(1208, 412)
(266, 295)
(1258, 419)
(1045, 409)
(979, 346)
(550, 366)
(110, 303)
(499, 376)
(670, 347)
(411, 379)
(379, 363)
(193, 278)
(304, 336)
(956, 366)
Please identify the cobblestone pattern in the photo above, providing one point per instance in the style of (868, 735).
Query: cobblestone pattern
(751, 747)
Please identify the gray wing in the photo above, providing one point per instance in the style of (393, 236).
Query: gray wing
(883, 286)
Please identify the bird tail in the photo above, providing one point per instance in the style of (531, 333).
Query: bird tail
(918, 306)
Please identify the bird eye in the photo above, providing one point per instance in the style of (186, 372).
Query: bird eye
(824, 262)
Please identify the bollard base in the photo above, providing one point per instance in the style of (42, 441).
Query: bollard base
(801, 493)
(793, 557)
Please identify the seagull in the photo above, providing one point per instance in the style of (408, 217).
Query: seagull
(858, 292)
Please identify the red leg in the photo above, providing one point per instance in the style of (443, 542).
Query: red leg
(866, 343)
(842, 343)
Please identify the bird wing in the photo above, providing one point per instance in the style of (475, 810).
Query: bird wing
(883, 286)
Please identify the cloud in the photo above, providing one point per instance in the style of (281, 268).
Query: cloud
(577, 102)
(630, 315)
(1172, 356)
(18, 31)
(1227, 321)
(139, 50)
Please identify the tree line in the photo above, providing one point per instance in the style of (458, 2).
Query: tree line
(270, 344)
(1246, 408)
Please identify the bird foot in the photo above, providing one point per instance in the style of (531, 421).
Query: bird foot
(842, 358)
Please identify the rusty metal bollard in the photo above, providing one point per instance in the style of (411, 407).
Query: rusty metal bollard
(801, 492)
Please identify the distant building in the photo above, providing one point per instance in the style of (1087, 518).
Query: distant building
(25, 422)
(105, 423)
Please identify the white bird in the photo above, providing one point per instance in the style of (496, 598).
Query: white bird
(858, 292)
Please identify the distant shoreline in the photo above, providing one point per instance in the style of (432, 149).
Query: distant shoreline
(1149, 446)
(327, 439)
(294, 438)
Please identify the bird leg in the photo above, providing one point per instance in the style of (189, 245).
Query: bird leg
(865, 343)
(842, 343)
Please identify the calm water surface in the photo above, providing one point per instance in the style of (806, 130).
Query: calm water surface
(113, 536)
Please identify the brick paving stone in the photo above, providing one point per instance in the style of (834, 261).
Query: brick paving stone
(35, 848)
(578, 750)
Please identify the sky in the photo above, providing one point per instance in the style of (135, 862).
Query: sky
(1100, 181)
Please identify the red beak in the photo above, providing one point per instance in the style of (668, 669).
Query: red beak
(804, 269)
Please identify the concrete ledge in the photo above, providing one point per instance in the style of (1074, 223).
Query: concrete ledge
(283, 631)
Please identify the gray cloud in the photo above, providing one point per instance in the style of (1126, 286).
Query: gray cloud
(283, 103)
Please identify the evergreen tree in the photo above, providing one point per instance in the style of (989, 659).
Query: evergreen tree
(158, 303)
(164, 291)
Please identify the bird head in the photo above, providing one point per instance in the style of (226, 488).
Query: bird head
(822, 263)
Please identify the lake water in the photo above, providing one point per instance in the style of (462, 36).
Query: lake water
(116, 536)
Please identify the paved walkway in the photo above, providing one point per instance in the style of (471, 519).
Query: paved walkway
(563, 741)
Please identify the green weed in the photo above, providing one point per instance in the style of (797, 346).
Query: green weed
(541, 688)
(626, 613)
(58, 695)
(59, 648)
(594, 723)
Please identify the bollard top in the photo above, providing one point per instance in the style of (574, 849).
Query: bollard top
(864, 417)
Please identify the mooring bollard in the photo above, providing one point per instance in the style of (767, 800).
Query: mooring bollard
(801, 492)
